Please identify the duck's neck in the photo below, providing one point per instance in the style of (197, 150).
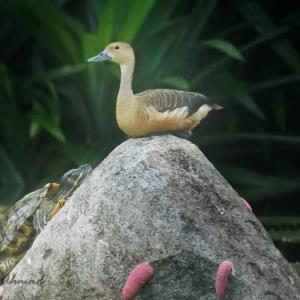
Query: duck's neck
(125, 91)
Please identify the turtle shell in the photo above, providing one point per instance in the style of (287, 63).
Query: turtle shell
(23, 210)
(31, 214)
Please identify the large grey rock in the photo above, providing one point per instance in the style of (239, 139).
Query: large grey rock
(154, 199)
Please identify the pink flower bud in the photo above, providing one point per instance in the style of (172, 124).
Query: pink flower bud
(222, 277)
(247, 205)
(136, 279)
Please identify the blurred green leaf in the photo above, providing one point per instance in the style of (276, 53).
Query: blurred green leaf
(250, 46)
(260, 186)
(253, 137)
(10, 178)
(176, 82)
(139, 11)
(253, 12)
(50, 126)
(34, 129)
(235, 90)
(275, 83)
(285, 235)
(95, 42)
(225, 47)
(106, 24)
(49, 25)
(56, 74)
(278, 106)
(39, 118)
(201, 14)
(296, 266)
(280, 221)
(5, 80)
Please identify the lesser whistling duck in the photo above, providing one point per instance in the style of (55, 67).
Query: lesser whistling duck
(152, 111)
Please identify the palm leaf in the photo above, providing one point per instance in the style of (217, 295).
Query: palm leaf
(225, 47)
(285, 235)
(253, 12)
(280, 221)
(235, 90)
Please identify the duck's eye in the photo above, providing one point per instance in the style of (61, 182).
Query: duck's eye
(117, 47)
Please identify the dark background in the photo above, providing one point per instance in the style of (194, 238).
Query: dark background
(58, 112)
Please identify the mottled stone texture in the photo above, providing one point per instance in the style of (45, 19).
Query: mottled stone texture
(154, 199)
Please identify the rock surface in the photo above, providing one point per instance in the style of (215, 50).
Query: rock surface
(155, 199)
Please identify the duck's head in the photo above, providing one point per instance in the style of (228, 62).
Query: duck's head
(118, 52)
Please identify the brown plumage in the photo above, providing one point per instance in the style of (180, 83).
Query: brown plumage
(152, 111)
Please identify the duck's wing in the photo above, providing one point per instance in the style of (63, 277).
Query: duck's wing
(167, 100)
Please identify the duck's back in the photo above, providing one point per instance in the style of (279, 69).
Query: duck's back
(168, 100)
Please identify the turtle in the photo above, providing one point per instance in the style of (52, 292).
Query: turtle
(17, 234)
(32, 213)
(50, 206)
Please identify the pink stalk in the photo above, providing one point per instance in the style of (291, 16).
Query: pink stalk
(1, 292)
(136, 279)
(222, 277)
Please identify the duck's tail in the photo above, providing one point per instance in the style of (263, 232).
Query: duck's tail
(216, 106)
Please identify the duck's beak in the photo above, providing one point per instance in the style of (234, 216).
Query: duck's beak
(100, 57)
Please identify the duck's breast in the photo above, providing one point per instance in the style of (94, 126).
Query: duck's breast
(132, 118)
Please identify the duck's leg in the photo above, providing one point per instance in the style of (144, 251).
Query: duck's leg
(181, 134)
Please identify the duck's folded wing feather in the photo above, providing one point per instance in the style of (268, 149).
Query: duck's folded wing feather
(167, 100)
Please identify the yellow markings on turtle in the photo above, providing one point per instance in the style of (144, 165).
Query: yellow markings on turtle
(7, 264)
(59, 204)
(27, 229)
(25, 232)
(16, 246)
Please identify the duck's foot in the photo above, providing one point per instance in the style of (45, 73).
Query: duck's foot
(181, 134)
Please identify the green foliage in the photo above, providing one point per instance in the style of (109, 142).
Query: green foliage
(296, 266)
(286, 235)
(281, 221)
(57, 111)
(226, 47)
